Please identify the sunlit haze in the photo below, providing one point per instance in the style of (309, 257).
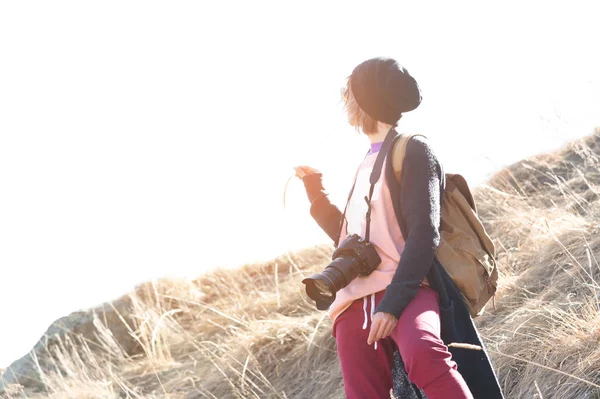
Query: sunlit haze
(149, 139)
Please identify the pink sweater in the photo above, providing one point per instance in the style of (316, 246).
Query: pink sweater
(385, 236)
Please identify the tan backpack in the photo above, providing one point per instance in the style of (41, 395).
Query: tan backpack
(466, 251)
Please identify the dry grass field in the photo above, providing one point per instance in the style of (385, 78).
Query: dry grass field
(252, 333)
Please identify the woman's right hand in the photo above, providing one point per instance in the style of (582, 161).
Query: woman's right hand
(313, 184)
(302, 171)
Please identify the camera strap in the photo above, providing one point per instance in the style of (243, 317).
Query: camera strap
(375, 175)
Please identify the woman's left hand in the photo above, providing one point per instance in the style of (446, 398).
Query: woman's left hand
(382, 326)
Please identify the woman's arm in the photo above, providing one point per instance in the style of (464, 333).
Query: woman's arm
(420, 209)
(327, 215)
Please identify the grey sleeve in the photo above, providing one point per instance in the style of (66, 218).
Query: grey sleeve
(420, 208)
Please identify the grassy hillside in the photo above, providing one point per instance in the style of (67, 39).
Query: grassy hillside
(251, 333)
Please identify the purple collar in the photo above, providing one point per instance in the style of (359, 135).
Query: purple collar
(375, 147)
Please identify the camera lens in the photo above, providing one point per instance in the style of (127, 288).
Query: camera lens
(352, 258)
(322, 289)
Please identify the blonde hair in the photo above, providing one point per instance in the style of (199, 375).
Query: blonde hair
(356, 116)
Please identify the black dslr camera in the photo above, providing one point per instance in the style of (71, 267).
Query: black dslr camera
(353, 257)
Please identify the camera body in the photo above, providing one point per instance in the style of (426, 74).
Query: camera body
(357, 254)
(353, 257)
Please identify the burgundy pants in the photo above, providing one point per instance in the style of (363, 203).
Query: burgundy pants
(367, 371)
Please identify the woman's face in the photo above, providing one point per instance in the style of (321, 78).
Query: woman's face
(351, 106)
(351, 118)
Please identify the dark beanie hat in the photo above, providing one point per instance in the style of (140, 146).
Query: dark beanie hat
(384, 89)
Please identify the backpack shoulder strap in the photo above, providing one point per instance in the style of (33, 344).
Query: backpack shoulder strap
(456, 181)
(399, 152)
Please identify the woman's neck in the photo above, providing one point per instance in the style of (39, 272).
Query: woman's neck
(382, 131)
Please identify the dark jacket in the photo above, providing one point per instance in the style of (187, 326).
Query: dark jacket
(417, 207)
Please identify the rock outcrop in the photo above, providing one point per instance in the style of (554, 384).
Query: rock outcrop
(109, 326)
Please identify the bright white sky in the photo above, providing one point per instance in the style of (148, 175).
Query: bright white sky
(141, 139)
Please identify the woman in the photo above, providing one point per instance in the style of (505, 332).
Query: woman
(404, 309)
